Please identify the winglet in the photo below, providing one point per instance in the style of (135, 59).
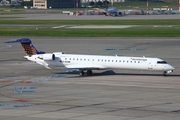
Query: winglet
(28, 46)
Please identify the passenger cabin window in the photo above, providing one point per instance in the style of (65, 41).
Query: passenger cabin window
(161, 62)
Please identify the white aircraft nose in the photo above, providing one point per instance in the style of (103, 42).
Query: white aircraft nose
(171, 67)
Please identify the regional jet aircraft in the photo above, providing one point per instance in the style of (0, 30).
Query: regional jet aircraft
(113, 12)
(87, 63)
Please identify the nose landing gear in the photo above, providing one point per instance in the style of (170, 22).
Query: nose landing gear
(165, 72)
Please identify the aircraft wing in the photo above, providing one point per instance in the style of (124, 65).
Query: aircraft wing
(84, 67)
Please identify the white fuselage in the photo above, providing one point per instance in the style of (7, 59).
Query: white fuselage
(95, 62)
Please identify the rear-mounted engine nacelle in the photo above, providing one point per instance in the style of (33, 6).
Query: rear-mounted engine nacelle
(48, 57)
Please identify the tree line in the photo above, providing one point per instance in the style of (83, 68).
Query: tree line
(100, 4)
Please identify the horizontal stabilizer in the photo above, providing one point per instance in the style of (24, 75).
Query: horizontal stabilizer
(22, 40)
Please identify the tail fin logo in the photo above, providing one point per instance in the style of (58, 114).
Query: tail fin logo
(29, 48)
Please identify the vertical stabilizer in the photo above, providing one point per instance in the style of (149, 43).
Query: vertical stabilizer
(28, 46)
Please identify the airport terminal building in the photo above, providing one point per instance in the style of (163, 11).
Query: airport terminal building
(44, 4)
(85, 1)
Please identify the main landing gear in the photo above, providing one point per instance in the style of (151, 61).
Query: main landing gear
(89, 72)
(81, 73)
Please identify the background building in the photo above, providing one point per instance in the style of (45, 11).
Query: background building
(85, 1)
(40, 4)
(5, 2)
(44, 4)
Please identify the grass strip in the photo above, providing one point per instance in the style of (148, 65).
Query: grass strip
(129, 32)
(91, 22)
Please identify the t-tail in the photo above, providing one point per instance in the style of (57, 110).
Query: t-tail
(28, 46)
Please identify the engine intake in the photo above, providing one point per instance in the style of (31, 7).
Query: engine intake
(48, 57)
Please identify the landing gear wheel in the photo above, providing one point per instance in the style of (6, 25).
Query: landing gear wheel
(164, 73)
(81, 73)
(89, 72)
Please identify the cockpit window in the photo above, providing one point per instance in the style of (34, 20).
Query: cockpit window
(161, 62)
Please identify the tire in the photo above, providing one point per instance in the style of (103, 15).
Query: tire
(89, 72)
(81, 73)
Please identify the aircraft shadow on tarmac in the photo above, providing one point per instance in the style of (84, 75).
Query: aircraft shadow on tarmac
(111, 72)
(13, 60)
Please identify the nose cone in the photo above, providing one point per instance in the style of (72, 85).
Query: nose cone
(170, 67)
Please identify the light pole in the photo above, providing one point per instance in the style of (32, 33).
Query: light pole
(147, 12)
(179, 6)
(76, 7)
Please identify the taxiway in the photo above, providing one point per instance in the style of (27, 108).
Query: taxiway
(29, 91)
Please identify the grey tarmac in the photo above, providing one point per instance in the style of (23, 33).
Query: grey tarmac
(85, 17)
(106, 95)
